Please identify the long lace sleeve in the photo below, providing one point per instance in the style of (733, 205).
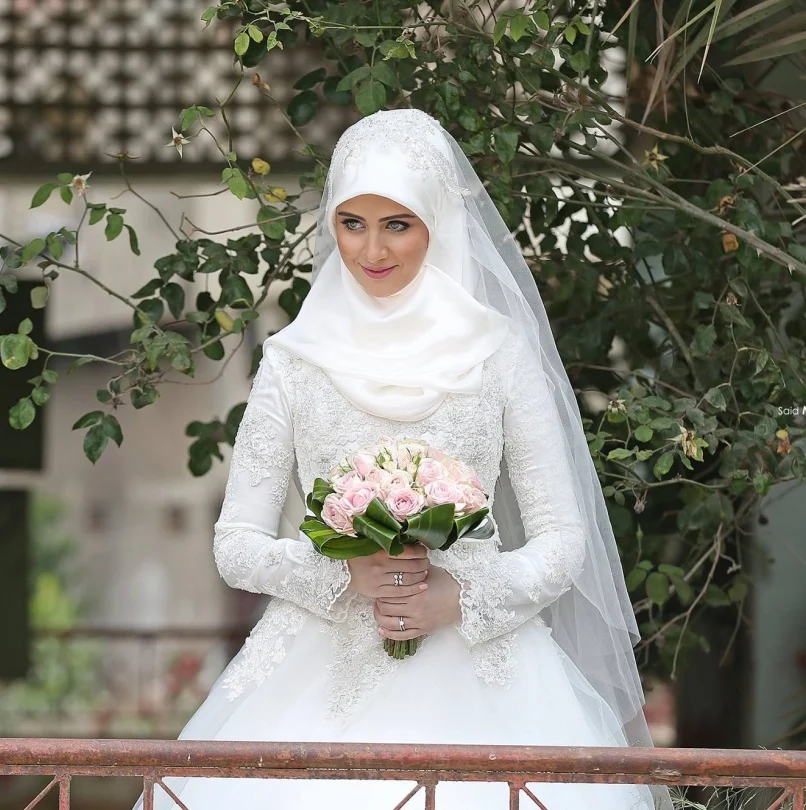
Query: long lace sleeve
(248, 553)
(500, 594)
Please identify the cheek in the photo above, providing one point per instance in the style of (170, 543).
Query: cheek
(414, 245)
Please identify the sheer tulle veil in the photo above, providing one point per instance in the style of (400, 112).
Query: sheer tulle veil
(594, 622)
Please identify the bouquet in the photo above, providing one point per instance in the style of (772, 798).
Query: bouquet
(393, 493)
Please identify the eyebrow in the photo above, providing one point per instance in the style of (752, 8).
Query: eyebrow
(382, 219)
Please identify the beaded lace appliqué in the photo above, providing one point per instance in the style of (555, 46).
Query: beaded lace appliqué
(411, 131)
(325, 426)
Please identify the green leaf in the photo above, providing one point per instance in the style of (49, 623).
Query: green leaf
(635, 578)
(432, 527)
(142, 397)
(236, 292)
(21, 415)
(500, 28)
(794, 43)
(149, 289)
(351, 79)
(619, 454)
(39, 297)
(32, 249)
(542, 20)
(302, 108)
(519, 26)
(570, 33)
(255, 33)
(716, 398)
(40, 395)
(506, 143)
(371, 97)
(42, 194)
(234, 178)
(111, 429)
(26, 327)
(174, 296)
(95, 442)
(49, 376)
(91, 418)
(16, 351)
(215, 350)
(657, 588)
(134, 245)
(114, 226)
(97, 212)
(383, 72)
(643, 433)
(241, 44)
(66, 193)
(663, 465)
(268, 222)
(310, 80)
(335, 96)
(580, 62)
(55, 246)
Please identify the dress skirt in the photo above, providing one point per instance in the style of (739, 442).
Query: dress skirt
(434, 696)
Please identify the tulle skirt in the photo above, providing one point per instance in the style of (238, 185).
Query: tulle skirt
(433, 696)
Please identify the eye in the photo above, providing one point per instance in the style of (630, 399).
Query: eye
(405, 225)
(346, 223)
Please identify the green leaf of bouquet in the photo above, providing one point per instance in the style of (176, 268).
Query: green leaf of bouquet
(432, 527)
(379, 534)
(378, 512)
(335, 545)
(321, 489)
(466, 524)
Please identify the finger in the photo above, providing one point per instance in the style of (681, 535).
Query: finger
(390, 625)
(394, 607)
(400, 591)
(392, 564)
(411, 550)
(396, 635)
(409, 578)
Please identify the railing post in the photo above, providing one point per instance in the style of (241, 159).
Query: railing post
(64, 792)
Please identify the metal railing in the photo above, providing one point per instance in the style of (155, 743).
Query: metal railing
(153, 760)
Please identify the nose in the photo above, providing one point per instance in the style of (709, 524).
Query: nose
(376, 248)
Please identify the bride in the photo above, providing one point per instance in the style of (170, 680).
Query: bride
(423, 322)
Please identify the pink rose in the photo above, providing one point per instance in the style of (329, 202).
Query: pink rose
(400, 479)
(356, 499)
(460, 472)
(429, 470)
(335, 516)
(363, 463)
(403, 502)
(435, 452)
(474, 498)
(444, 490)
(381, 478)
(341, 483)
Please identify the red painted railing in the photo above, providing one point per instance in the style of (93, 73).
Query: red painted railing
(152, 760)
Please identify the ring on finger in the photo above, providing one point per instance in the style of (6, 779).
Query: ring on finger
(398, 578)
(402, 624)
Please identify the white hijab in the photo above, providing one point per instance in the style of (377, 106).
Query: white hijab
(399, 356)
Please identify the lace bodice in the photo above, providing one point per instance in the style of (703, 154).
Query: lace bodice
(296, 415)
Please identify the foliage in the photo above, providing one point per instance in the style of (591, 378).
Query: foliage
(62, 675)
(665, 235)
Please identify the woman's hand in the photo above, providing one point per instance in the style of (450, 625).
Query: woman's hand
(374, 575)
(423, 612)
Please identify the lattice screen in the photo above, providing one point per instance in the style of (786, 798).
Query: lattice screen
(82, 78)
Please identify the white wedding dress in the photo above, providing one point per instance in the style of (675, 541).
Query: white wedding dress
(314, 668)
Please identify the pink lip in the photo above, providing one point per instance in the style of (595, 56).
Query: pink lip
(379, 273)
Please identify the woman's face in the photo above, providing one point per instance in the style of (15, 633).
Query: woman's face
(382, 242)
